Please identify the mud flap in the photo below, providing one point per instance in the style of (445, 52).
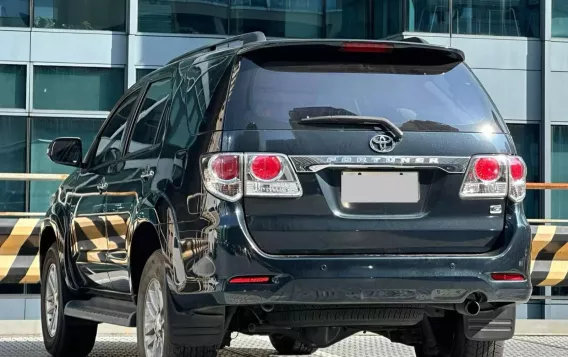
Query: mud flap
(494, 325)
(200, 327)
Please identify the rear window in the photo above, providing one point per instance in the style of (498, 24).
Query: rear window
(276, 95)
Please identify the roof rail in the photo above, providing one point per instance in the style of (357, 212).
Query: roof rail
(415, 40)
(245, 38)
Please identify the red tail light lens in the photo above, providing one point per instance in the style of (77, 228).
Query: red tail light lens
(266, 168)
(226, 167)
(517, 168)
(250, 280)
(487, 169)
(367, 47)
(507, 277)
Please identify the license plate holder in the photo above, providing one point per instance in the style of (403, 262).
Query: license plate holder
(380, 187)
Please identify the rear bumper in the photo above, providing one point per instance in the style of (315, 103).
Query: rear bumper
(412, 279)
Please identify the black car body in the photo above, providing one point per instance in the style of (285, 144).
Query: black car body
(301, 189)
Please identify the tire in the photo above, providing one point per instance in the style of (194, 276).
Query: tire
(153, 285)
(288, 346)
(455, 344)
(62, 335)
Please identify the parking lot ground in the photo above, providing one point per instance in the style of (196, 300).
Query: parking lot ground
(247, 346)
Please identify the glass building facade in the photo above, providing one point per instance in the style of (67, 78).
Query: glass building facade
(64, 63)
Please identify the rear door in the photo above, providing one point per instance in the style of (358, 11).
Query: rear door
(365, 190)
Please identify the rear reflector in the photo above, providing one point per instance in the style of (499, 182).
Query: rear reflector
(507, 277)
(367, 47)
(250, 280)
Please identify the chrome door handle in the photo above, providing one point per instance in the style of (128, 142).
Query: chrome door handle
(102, 187)
(147, 174)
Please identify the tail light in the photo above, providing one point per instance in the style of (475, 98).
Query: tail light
(222, 175)
(495, 176)
(229, 176)
(518, 177)
(367, 47)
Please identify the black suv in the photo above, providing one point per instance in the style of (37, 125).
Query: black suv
(304, 190)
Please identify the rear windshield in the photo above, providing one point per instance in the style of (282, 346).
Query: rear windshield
(277, 95)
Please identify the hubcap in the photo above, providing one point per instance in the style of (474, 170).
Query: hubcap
(52, 300)
(154, 320)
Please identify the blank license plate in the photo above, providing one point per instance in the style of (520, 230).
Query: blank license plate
(380, 187)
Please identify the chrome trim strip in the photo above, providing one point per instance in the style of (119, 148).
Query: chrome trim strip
(315, 163)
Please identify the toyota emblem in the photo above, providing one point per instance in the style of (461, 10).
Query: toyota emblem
(382, 143)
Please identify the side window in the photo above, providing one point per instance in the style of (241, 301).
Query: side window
(192, 97)
(150, 114)
(108, 147)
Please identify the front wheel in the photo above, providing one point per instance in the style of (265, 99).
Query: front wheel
(62, 335)
(153, 329)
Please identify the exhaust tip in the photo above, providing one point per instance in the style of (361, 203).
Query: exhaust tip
(472, 308)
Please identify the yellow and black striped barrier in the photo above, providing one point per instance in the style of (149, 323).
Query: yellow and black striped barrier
(19, 250)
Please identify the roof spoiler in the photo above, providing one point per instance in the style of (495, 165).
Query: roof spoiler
(416, 40)
(245, 38)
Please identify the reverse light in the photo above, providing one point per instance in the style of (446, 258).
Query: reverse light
(367, 47)
(507, 277)
(250, 280)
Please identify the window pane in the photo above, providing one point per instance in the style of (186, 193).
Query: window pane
(106, 15)
(150, 114)
(497, 18)
(276, 95)
(281, 18)
(190, 16)
(429, 15)
(12, 86)
(43, 131)
(77, 88)
(347, 19)
(14, 13)
(560, 170)
(141, 73)
(13, 153)
(387, 18)
(109, 145)
(526, 139)
(559, 18)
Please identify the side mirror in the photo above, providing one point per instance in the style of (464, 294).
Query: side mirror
(66, 151)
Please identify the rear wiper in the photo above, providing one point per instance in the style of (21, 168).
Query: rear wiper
(355, 120)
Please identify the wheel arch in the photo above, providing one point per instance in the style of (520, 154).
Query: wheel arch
(49, 234)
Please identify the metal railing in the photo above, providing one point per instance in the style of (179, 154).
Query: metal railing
(28, 177)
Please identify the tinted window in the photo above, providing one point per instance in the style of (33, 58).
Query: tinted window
(12, 86)
(107, 15)
(77, 88)
(108, 147)
(149, 116)
(198, 83)
(416, 98)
